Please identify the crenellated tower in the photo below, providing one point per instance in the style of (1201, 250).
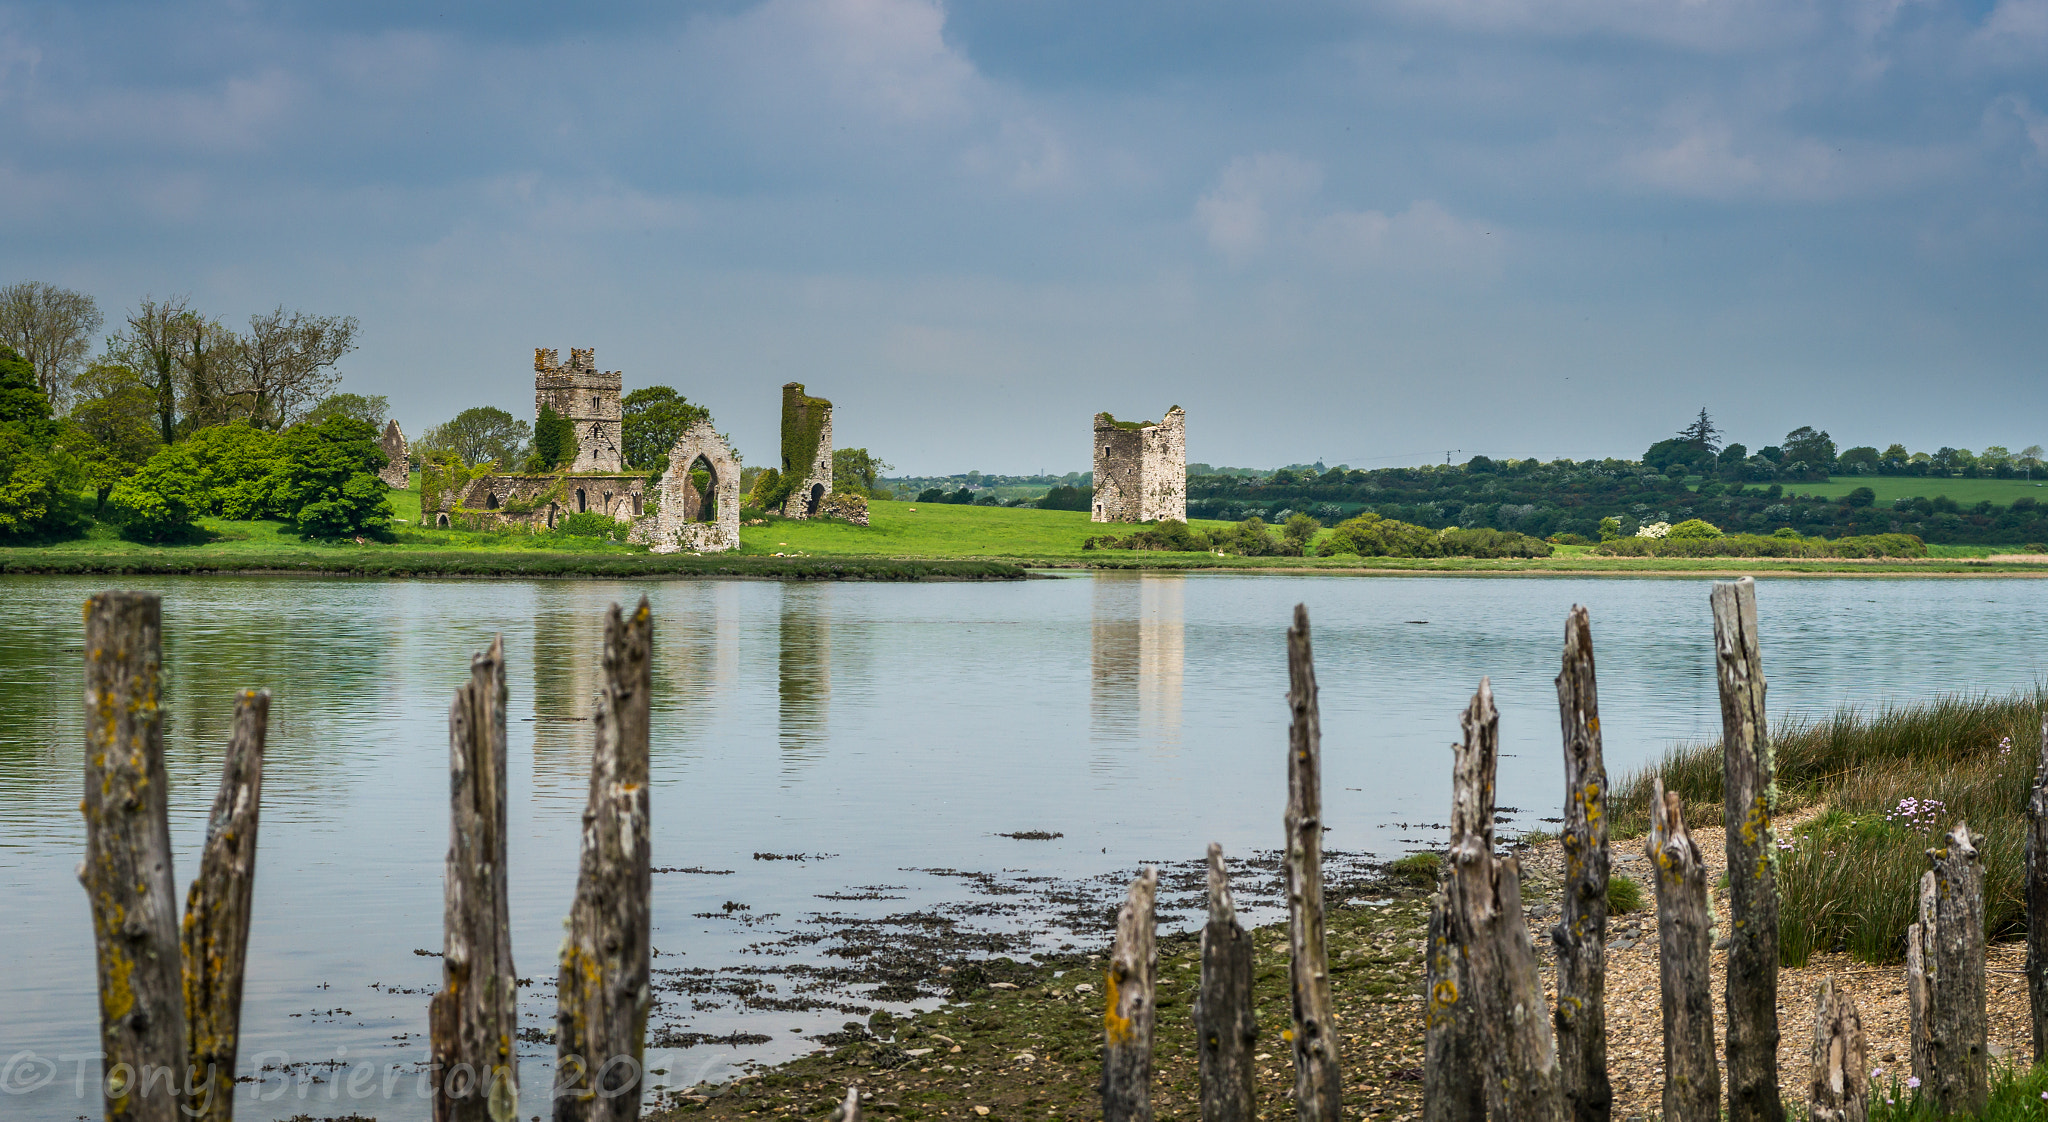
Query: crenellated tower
(589, 398)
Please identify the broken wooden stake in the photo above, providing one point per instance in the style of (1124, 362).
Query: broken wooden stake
(1225, 1024)
(1128, 1006)
(216, 935)
(1450, 1040)
(1840, 1059)
(1318, 1084)
(1580, 935)
(603, 984)
(2037, 898)
(474, 1021)
(1518, 1053)
(127, 867)
(1685, 920)
(1749, 794)
(1946, 999)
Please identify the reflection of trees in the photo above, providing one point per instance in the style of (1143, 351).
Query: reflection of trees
(1137, 653)
(697, 657)
(804, 671)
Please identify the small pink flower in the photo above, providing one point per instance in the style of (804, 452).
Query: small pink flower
(1912, 1082)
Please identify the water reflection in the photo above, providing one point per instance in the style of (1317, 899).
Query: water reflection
(1137, 656)
(804, 672)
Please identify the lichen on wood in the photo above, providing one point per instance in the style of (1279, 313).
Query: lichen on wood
(216, 933)
(1225, 1025)
(1318, 1082)
(1130, 1006)
(1580, 935)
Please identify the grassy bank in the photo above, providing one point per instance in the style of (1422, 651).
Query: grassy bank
(1023, 1040)
(1892, 782)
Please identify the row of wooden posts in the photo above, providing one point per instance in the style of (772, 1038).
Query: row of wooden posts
(1494, 1047)
(170, 1000)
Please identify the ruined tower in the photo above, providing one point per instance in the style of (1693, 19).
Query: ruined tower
(1141, 469)
(589, 398)
(806, 451)
(397, 471)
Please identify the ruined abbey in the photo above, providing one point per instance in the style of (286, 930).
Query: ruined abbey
(1141, 469)
(589, 398)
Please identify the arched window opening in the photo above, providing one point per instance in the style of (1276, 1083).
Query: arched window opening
(491, 501)
(441, 521)
(607, 502)
(700, 492)
(816, 496)
(581, 505)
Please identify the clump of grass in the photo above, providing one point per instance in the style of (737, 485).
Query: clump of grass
(1535, 837)
(1419, 869)
(1624, 894)
(1894, 782)
(2016, 1093)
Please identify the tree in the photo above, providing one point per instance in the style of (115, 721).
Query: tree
(1062, 497)
(52, 329)
(1702, 433)
(475, 435)
(554, 441)
(1678, 452)
(29, 488)
(209, 361)
(1814, 448)
(854, 471)
(1860, 497)
(162, 498)
(1862, 459)
(287, 364)
(115, 414)
(150, 346)
(372, 410)
(327, 481)
(238, 466)
(651, 420)
(1299, 530)
(2030, 459)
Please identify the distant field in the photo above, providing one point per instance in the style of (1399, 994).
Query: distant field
(1968, 492)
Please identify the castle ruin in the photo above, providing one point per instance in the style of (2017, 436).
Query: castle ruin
(806, 451)
(1141, 469)
(397, 473)
(700, 515)
(589, 398)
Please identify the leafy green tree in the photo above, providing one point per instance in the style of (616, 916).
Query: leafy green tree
(1701, 433)
(1610, 528)
(1860, 497)
(652, 419)
(554, 441)
(854, 471)
(327, 483)
(475, 435)
(237, 466)
(51, 328)
(1677, 452)
(29, 485)
(1861, 459)
(1694, 529)
(151, 345)
(114, 425)
(2029, 459)
(1808, 445)
(1062, 497)
(1299, 530)
(161, 499)
(373, 409)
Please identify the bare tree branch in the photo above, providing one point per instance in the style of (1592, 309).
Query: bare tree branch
(52, 328)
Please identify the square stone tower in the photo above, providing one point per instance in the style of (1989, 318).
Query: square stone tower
(806, 450)
(589, 398)
(1141, 469)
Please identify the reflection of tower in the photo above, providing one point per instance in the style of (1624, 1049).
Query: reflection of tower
(1138, 652)
(567, 667)
(804, 678)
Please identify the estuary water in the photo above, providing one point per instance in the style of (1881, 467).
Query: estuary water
(837, 750)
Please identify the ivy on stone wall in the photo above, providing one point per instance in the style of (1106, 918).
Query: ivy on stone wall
(803, 428)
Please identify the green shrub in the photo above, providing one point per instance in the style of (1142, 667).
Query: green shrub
(1694, 529)
(554, 441)
(1624, 894)
(162, 498)
(1780, 544)
(591, 524)
(1168, 536)
(1369, 535)
(1492, 543)
(327, 482)
(1419, 869)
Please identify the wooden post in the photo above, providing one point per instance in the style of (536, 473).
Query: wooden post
(2037, 899)
(127, 867)
(1225, 1023)
(1128, 995)
(1916, 978)
(601, 1022)
(1519, 1054)
(216, 936)
(1748, 780)
(1952, 958)
(1841, 1062)
(1318, 1084)
(1450, 1041)
(849, 1107)
(473, 1021)
(1580, 935)
(1692, 1081)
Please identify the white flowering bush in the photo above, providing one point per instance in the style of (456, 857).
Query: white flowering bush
(1654, 530)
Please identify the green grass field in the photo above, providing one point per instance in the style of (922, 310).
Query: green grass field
(1968, 492)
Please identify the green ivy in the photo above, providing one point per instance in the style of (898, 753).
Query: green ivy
(803, 427)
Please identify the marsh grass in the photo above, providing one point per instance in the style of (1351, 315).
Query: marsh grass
(2016, 1093)
(1893, 781)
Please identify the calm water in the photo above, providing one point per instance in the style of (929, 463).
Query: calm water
(880, 729)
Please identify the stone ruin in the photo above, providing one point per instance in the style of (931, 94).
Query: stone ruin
(701, 521)
(801, 416)
(398, 473)
(589, 398)
(537, 502)
(1141, 469)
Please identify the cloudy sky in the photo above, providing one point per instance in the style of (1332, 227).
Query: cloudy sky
(1358, 230)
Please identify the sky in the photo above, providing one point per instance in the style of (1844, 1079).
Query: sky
(1374, 232)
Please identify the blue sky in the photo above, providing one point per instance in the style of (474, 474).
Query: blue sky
(1364, 231)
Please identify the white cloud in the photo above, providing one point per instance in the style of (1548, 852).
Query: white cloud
(885, 61)
(1706, 25)
(1424, 238)
(1235, 214)
(1268, 203)
(1025, 154)
(237, 115)
(1709, 160)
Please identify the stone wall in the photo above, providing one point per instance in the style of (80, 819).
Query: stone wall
(589, 398)
(398, 473)
(1141, 469)
(680, 523)
(538, 502)
(799, 412)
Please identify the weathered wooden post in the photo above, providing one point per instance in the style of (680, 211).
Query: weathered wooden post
(1947, 999)
(1450, 1039)
(2037, 899)
(1749, 789)
(1225, 1023)
(1580, 935)
(1318, 1083)
(127, 867)
(601, 1022)
(473, 1021)
(1128, 1009)
(1916, 978)
(1692, 1081)
(216, 937)
(1841, 1061)
(849, 1107)
(1519, 1055)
